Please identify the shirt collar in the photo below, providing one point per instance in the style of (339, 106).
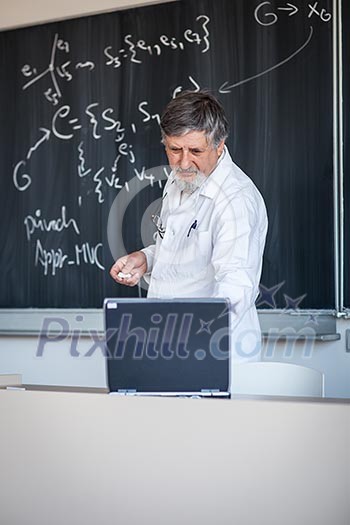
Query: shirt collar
(212, 185)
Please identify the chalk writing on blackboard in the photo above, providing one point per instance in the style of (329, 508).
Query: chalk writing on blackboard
(266, 15)
(195, 84)
(52, 94)
(133, 48)
(322, 13)
(226, 88)
(53, 260)
(97, 121)
(36, 222)
(132, 51)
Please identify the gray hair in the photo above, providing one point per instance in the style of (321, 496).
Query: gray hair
(195, 111)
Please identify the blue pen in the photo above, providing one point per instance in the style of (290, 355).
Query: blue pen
(192, 227)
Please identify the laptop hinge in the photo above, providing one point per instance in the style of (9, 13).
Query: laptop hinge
(126, 392)
(210, 391)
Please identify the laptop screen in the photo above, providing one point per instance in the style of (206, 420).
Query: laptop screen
(172, 346)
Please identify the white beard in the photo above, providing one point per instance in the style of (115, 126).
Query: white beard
(189, 186)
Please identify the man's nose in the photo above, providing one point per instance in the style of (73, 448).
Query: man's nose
(185, 160)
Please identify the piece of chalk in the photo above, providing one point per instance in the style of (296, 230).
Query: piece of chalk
(124, 275)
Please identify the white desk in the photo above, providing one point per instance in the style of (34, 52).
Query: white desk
(89, 458)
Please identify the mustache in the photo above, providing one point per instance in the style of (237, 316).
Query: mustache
(187, 170)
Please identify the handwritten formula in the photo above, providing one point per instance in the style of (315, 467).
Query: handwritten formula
(96, 124)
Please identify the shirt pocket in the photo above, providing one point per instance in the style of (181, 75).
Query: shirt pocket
(188, 258)
(204, 248)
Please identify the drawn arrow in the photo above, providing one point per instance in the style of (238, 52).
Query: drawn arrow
(292, 8)
(46, 136)
(224, 88)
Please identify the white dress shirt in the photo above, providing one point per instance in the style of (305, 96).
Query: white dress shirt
(212, 247)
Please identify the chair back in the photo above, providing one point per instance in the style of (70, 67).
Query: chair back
(277, 379)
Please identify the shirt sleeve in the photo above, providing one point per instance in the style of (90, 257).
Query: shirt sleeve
(149, 251)
(238, 244)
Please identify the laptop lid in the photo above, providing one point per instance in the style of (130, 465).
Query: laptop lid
(170, 347)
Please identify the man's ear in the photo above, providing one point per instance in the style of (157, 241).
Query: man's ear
(220, 147)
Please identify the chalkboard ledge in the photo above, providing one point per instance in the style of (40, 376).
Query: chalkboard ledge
(303, 325)
(300, 337)
(276, 325)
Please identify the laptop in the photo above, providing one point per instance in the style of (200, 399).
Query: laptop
(177, 347)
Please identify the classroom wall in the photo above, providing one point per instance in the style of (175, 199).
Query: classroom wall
(57, 365)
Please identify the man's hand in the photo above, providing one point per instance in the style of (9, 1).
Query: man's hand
(129, 269)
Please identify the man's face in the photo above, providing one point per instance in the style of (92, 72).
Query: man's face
(190, 155)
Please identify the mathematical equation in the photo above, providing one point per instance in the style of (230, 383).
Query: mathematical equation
(60, 69)
(64, 126)
(266, 15)
(105, 178)
(98, 122)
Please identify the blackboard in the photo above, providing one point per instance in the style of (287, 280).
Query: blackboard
(80, 103)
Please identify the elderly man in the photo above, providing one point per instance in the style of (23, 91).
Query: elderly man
(212, 225)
